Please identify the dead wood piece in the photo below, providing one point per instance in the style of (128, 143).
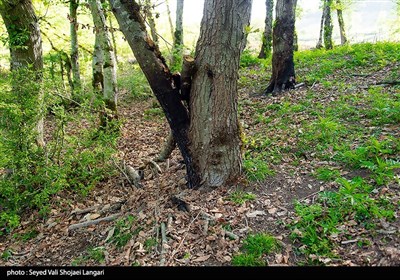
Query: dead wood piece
(231, 235)
(388, 83)
(188, 70)
(134, 176)
(349, 241)
(84, 211)
(163, 243)
(168, 148)
(93, 222)
(299, 85)
(155, 165)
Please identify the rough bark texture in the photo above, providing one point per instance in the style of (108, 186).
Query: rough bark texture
(214, 130)
(109, 66)
(328, 26)
(267, 35)
(343, 37)
(159, 77)
(321, 29)
(283, 74)
(73, 8)
(25, 44)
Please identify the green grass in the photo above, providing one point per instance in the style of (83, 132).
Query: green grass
(254, 248)
(240, 197)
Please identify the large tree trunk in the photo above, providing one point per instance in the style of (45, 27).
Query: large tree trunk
(97, 65)
(159, 77)
(73, 8)
(328, 26)
(178, 36)
(321, 29)
(25, 44)
(214, 129)
(343, 37)
(283, 74)
(267, 35)
(109, 65)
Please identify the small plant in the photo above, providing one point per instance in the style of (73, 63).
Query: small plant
(96, 254)
(153, 113)
(124, 231)
(150, 243)
(247, 260)
(260, 244)
(326, 174)
(248, 59)
(254, 248)
(6, 255)
(257, 169)
(240, 197)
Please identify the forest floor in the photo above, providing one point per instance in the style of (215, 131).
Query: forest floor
(212, 232)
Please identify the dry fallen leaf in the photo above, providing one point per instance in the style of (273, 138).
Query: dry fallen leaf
(255, 214)
(202, 258)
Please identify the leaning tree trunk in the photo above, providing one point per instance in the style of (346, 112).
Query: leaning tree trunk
(25, 44)
(73, 8)
(343, 37)
(328, 26)
(267, 35)
(214, 129)
(159, 77)
(321, 29)
(178, 36)
(109, 65)
(283, 74)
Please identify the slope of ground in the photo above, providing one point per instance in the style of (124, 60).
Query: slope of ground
(295, 150)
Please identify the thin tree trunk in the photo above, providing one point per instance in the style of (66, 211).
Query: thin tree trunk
(159, 77)
(170, 19)
(321, 29)
(214, 129)
(112, 31)
(150, 20)
(73, 8)
(109, 66)
(21, 22)
(343, 37)
(283, 74)
(97, 65)
(328, 26)
(178, 36)
(267, 35)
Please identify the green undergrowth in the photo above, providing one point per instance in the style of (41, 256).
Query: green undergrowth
(343, 129)
(254, 250)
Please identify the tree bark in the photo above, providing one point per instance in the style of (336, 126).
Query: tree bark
(25, 44)
(150, 20)
(109, 65)
(178, 36)
(73, 8)
(214, 129)
(283, 74)
(114, 41)
(339, 11)
(267, 35)
(321, 29)
(159, 77)
(328, 26)
(97, 65)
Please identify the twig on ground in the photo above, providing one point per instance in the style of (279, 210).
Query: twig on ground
(93, 222)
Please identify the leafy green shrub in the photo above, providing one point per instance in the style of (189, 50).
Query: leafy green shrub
(248, 59)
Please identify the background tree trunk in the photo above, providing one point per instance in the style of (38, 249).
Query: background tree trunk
(321, 29)
(169, 18)
(25, 44)
(150, 20)
(267, 35)
(214, 129)
(178, 37)
(283, 74)
(328, 26)
(343, 37)
(97, 65)
(109, 65)
(73, 8)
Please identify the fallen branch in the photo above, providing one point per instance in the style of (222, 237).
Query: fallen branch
(299, 85)
(163, 243)
(156, 166)
(84, 211)
(93, 222)
(168, 148)
(388, 83)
